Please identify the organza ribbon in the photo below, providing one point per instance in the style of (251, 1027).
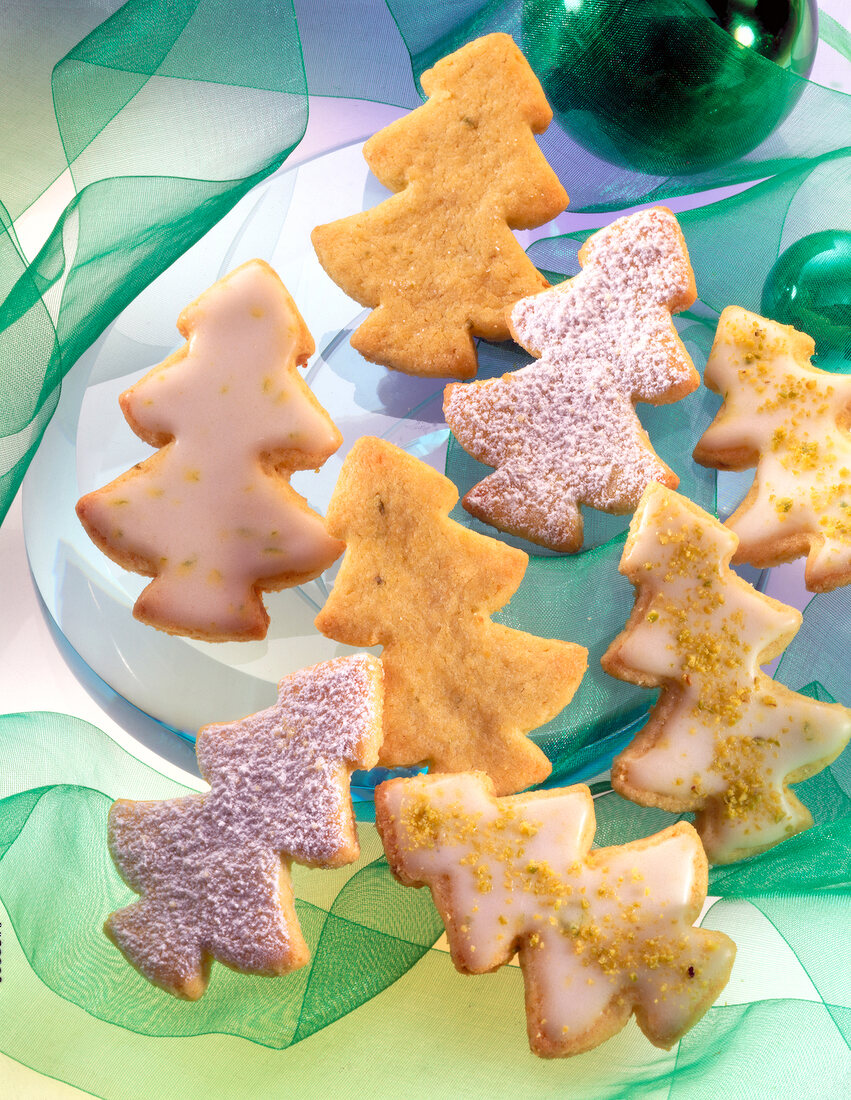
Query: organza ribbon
(154, 119)
(390, 1004)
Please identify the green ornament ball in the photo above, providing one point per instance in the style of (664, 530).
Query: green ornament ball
(670, 87)
(810, 287)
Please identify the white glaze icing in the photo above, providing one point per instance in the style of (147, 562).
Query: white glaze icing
(564, 431)
(213, 868)
(795, 416)
(209, 513)
(599, 932)
(724, 737)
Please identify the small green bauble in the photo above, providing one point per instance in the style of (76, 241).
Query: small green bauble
(670, 86)
(810, 287)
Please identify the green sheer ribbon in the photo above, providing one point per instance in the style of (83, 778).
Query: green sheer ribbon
(156, 122)
(58, 909)
(372, 979)
(148, 121)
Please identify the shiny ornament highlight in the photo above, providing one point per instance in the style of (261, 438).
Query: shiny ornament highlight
(810, 287)
(671, 87)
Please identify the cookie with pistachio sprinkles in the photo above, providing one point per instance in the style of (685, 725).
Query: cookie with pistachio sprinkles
(600, 934)
(791, 420)
(723, 740)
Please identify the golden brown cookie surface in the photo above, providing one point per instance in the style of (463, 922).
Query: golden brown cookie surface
(460, 690)
(790, 420)
(437, 262)
(724, 739)
(600, 934)
(211, 516)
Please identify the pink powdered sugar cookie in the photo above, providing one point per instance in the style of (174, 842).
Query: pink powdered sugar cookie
(563, 431)
(213, 869)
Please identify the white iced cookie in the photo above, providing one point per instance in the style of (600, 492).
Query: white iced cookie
(600, 934)
(790, 420)
(723, 739)
(563, 431)
(211, 516)
(213, 869)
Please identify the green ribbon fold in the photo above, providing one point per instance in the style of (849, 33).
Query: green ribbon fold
(57, 884)
(164, 116)
(147, 121)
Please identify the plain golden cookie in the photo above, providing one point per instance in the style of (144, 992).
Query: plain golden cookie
(437, 262)
(461, 691)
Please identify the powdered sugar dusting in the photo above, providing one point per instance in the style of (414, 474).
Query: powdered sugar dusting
(210, 866)
(618, 308)
(564, 431)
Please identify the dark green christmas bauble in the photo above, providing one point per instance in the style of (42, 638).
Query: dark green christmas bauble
(810, 287)
(670, 86)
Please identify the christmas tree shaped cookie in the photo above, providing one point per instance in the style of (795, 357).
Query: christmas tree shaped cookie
(437, 261)
(212, 516)
(213, 869)
(790, 420)
(723, 740)
(601, 934)
(563, 431)
(461, 691)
